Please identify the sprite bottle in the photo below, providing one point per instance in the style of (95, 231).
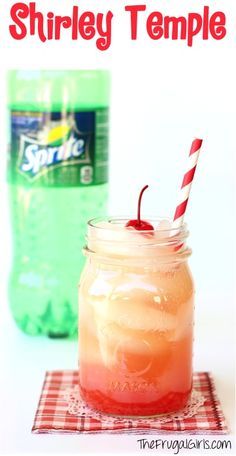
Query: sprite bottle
(57, 176)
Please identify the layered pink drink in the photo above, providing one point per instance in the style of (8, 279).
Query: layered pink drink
(136, 319)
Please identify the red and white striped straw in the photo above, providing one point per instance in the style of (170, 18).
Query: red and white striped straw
(187, 183)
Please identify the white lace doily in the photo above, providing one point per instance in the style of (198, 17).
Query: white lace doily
(76, 406)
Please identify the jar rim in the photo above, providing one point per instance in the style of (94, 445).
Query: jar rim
(160, 244)
(122, 220)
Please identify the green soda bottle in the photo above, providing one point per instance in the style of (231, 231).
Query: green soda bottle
(57, 176)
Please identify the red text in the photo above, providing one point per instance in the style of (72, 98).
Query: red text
(184, 28)
(27, 20)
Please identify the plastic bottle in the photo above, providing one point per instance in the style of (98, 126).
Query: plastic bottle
(57, 175)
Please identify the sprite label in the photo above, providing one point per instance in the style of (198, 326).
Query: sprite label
(59, 148)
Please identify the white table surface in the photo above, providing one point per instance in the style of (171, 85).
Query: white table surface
(25, 360)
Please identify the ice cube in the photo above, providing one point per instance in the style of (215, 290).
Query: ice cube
(149, 320)
(135, 315)
(184, 321)
(163, 229)
(111, 238)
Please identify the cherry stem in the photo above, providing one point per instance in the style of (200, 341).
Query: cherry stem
(139, 204)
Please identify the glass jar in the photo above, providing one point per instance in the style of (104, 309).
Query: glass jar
(136, 319)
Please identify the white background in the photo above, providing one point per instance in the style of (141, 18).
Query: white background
(163, 95)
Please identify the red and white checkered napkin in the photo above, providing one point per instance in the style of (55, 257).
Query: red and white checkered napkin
(61, 410)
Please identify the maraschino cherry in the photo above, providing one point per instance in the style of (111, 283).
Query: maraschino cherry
(140, 225)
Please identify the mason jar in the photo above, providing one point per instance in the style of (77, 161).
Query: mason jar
(136, 302)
